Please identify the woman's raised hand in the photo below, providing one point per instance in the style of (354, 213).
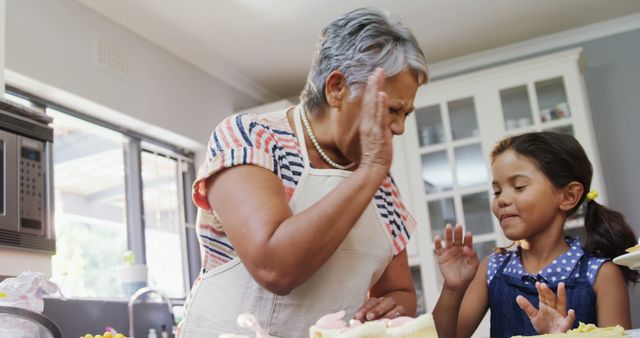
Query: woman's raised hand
(457, 260)
(552, 315)
(375, 133)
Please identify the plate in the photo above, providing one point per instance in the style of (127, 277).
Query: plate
(632, 260)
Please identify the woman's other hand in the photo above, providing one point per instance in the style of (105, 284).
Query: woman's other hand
(375, 133)
(379, 307)
(457, 260)
(393, 295)
(552, 315)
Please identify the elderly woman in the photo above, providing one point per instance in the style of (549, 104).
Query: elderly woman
(298, 215)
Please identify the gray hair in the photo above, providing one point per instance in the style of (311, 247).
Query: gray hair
(356, 44)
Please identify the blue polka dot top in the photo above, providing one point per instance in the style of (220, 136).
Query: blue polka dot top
(560, 268)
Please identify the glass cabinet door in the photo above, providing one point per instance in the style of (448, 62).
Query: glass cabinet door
(454, 170)
(516, 107)
(477, 213)
(436, 172)
(421, 306)
(544, 102)
(441, 212)
(463, 119)
(430, 127)
(555, 114)
(538, 105)
(552, 100)
(471, 166)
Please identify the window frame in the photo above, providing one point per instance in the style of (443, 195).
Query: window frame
(138, 143)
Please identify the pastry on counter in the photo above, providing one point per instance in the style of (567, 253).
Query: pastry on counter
(586, 331)
(332, 325)
(634, 248)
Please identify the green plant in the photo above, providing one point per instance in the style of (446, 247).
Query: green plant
(128, 258)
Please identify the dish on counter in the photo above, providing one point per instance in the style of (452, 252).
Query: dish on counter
(632, 260)
(634, 333)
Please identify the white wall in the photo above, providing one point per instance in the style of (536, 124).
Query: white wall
(13, 261)
(50, 51)
(54, 43)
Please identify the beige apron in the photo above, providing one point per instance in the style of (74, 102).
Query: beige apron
(341, 283)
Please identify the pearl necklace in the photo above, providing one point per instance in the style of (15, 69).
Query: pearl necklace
(316, 145)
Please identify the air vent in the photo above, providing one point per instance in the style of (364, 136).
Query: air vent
(111, 58)
(27, 241)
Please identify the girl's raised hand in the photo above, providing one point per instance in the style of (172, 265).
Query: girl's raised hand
(552, 315)
(457, 259)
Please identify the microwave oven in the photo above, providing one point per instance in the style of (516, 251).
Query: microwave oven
(25, 181)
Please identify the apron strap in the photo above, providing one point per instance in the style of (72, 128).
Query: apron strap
(584, 265)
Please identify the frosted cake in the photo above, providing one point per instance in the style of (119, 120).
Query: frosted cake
(332, 326)
(586, 331)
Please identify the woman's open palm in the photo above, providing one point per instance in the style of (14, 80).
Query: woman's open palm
(457, 260)
(375, 135)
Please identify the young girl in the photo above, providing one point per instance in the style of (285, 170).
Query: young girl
(539, 179)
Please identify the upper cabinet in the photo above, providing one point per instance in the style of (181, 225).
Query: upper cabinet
(442, 161)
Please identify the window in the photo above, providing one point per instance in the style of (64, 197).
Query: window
(116, 191)
(90, 208)
(162, 214)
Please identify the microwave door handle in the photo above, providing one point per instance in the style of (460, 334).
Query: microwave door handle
(9, 217)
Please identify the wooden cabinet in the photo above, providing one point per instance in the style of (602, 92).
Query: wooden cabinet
(441, 163)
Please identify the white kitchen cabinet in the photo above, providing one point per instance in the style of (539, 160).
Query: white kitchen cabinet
(441, 163)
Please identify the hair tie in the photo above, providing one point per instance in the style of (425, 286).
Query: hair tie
(592, 195)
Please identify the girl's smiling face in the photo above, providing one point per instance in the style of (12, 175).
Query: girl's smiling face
(525, 202)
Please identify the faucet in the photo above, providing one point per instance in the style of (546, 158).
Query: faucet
(138, 294)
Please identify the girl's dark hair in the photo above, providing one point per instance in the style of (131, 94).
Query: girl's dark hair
(562, 160)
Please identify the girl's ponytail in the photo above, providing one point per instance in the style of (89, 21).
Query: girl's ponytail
(608, 235)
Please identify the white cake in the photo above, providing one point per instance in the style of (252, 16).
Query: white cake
(586, 331)
(420, 327)
(332, 326)
(373, 329)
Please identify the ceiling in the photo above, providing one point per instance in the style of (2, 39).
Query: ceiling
(264, 47)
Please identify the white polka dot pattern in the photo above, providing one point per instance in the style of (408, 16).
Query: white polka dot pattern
(560, 268)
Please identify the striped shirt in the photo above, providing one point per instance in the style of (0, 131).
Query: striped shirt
(266, 140)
